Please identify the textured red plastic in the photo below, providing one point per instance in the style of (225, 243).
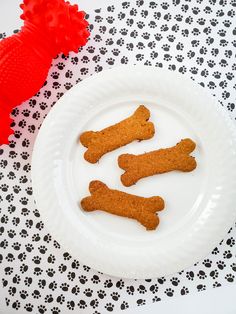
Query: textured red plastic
(50, 27)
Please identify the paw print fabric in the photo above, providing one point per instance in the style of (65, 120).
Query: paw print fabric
(195, 39)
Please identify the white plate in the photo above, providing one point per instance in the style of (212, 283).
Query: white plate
(200, 205)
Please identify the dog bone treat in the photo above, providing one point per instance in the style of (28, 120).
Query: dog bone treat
(122, 204)
(159, 161)
(135, 127)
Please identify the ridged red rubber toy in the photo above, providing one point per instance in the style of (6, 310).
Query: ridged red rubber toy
(50, 27)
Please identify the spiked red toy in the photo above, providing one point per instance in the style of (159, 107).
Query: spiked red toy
(50, 27)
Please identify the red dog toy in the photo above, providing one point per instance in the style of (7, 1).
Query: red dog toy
(50, 27)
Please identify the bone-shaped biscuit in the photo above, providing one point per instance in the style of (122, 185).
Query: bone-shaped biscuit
(159, 161)
(135, 127)
(122, 204)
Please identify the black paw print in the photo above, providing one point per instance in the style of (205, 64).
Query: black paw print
(15, 220)
(111, 8)
(228, 254)
(36, 294)
(8, 270)
(28, 281)
(23, 233)
(83, 279)
(223, 63)
(97, 38)
(140, 25)
(17, 134)
(166, 47)
(29, 222)
(102, 29)
(231, 106)
(51, 259)
(52, 285)
(179, 58)
(23, 294)
(12, 291)
(121, 16)
(167, 57)
(124, 60)
(140, 45)
(211, 63)
(62, 268)
(82, 304)
(16, 279)
(110, 61)
(223, 42)
(156, 299)
(38, 271)
(226, 95)
(16, 305)
(157, 15)
(70, 305)
(29, 247)
(108, 283)
(125, 5)
(60, 299)
(115, 52)
(152, 44)
(94, 303)
(209, 40)
(201, 287)
(101, 294)
(48, 298)
(96, 58)
(23, 268)
(55, 310)
(16, 245)
(154, 54)
(95, 279)
(184, 291)
(190, 54)
(10, 257)
(144, 13)
(190, 275)
(184, 7)
(169, 292)
(29, 307)
(109, 307)
(221, 264)
(50, 272)
(171, 38)
(214, 274)
(223, 84)
(115, 296)
(113, 31)
(175, 281)
(120, 42)
(139, 57)
(120, 284)
(4, 244)
(141, 302)
(229, 75)
(12, 144)
(37, 260)
(98, 19)
(201, 21)
(108, 42)
(42, 249)
(4, 187)
(11, 175)
(227, 23)
(201, 274)
(71, 275)
(211, 85)
(153, 288)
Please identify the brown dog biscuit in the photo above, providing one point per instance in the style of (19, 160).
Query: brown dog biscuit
(159, 161)
(136, 127)
(122, 204)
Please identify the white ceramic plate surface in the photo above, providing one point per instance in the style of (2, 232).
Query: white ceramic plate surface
(200, 205)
